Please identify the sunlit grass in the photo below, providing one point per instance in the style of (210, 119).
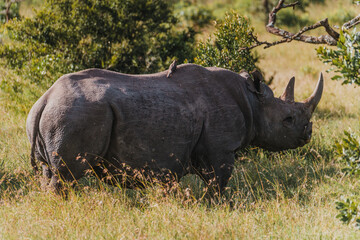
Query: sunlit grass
(90, 213)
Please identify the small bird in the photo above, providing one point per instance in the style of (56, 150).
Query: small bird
(172, 69)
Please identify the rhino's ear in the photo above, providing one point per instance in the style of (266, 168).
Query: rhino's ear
(258, 78)
(255, 85)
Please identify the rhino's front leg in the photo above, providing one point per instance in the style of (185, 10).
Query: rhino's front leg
(218, 171)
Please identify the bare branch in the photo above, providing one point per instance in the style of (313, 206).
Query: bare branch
(334, 34)
(330, 39)
(278, 7)
(351, 23)
(267, 44)
(258, 43)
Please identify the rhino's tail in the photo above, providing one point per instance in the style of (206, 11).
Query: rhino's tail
(35, 132)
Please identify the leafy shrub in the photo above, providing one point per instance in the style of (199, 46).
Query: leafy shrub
(349, 211)
(345, 59)
(349, 152)
(225, 48)
(126, 36)
(70, 35)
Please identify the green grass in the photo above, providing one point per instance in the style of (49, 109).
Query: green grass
(287, 195)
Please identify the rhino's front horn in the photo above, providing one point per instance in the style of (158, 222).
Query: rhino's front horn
(288, 94)
(314, 99)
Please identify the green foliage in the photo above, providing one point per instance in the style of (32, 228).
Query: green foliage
(224, 48)
(70, 35)
(349, 152)
(349, 211)
(345, 59)
(125, 36)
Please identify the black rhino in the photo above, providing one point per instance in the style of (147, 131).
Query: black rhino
(192, 122)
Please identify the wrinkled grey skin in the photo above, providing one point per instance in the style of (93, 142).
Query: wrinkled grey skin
(191, 123)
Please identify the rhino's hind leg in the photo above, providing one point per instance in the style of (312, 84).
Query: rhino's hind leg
(60, 185)
(59, 181)
(65, 173)
(75, 141)
(55, 185)
(46, 177)
(46, 172)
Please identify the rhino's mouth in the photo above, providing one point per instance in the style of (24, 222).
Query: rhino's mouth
(307, 133)
(305, 140)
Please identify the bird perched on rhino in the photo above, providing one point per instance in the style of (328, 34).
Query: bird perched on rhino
(172, 69)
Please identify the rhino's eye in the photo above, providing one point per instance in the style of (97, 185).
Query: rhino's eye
(288, 121)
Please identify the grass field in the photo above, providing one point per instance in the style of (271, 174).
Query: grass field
(287, 195)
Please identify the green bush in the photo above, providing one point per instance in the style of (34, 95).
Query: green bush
(345, 59)
(70, 35)
(349, 152)
(349, 211)
(127, 36)
(225, 48)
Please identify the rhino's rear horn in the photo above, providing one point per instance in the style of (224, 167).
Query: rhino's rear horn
(288, 94)
(314, 99)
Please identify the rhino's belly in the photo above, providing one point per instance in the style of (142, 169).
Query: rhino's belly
(158, 143)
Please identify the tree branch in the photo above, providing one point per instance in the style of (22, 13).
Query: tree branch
(351, 23)
(329, 39)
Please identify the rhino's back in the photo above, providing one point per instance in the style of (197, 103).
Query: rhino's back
(92, 82)
(191, 88)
